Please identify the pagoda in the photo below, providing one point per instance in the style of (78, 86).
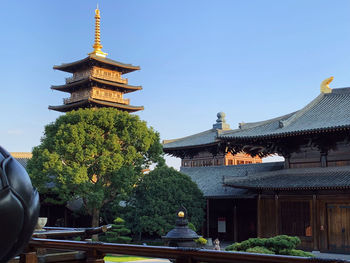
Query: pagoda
(97, 81)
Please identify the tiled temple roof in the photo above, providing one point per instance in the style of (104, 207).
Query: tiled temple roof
(95, 103)
(208, 137)
(86, 81)
(210, 179)
(122, 67)
(22, 157)
(203, 138)
(319, 178)
(327, 112)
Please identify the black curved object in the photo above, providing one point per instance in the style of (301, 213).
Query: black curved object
(19, 207)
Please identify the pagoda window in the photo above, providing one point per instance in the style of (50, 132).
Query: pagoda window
(296, 218)
(230, 162)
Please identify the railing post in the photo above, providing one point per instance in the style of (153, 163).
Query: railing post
(29, 257)
(94, 256)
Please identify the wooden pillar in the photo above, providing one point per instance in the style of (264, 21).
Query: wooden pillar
(277, 214)
(29, 257)
(258, 223)
(235, 222)
(314, 222)
(208, 234)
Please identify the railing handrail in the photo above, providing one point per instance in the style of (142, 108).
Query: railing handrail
(177, 253)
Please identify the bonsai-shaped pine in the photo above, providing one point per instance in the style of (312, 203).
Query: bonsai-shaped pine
(118, 233)
(281, 245)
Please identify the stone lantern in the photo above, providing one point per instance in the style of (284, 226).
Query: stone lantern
(181, 235)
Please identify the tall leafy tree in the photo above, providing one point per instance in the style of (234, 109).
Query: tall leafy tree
(94, 154)
(157, 198)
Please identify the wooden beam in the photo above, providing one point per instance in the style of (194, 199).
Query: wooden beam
(314, 222)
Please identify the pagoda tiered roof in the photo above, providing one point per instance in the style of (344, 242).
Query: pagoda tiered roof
(70, 87)
(94, 60)
(90, 102)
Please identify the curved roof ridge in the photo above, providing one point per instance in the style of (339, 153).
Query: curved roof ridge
(299, 113)
(187, 137)
(250, 125)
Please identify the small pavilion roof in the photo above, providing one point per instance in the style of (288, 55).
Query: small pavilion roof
(77, 84)
(93, 59)
(208, 137)
(210, 179)
(95, 103)
(327, 112)
(319, 178)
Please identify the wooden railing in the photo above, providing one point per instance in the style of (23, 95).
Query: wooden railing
(45, 250)
(95, 252)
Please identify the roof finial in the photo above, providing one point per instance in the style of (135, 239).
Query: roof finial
(325, 85)
(97, 45)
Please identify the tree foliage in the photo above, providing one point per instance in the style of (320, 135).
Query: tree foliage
(93, 154)
(157, 198)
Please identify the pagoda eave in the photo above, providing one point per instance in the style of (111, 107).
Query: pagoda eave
(78, 84)
(91, 103)
(93, 59)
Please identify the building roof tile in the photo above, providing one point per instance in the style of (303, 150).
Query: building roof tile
(295, 179)
(326, 112)
(210, 179)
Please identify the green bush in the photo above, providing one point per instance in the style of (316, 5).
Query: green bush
(282, 245)
(281, 242)
(118, 233)
(296, 253)
(260, 250)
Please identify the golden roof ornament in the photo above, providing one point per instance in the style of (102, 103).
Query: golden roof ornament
(181, 214)
(97, 44)
(325, 85)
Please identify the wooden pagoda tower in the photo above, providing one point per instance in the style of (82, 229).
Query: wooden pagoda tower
(97, 81)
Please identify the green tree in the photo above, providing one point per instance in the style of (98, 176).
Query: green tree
(157, 198)
(94, 154)
(118, 233)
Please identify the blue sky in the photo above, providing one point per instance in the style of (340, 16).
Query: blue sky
(253, 60)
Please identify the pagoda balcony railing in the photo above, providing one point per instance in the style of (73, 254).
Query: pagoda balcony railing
(97, 74)
(99, 97)
(106, 75)
(111, 98)
(94, 252)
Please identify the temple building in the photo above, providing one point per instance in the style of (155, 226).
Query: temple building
(97, 81)
(201, 149)
(306, 195)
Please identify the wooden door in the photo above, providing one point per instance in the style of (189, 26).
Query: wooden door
(338, 216)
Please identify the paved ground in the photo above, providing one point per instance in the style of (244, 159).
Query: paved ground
(331, 255)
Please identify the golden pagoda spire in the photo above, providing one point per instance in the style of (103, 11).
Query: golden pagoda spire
(97, 45)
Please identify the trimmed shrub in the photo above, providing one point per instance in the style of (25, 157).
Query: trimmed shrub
(118, 233)
(296, 253)
(260, 250)
(282, 245)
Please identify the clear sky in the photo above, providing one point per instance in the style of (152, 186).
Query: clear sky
(253, 59)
